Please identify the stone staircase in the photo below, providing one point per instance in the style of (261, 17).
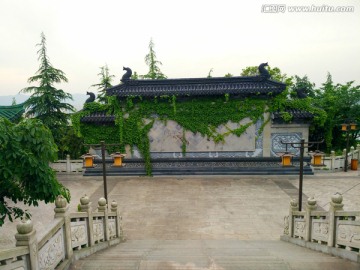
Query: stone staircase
(209, 255)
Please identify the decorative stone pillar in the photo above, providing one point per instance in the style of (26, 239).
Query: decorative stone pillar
(114, 208)
(335, 205)
(61, 211)
(26, 236)
(310, 206)
(102, 207)
(68, 164)
(85, 206)
(294, 206)
(332, 160)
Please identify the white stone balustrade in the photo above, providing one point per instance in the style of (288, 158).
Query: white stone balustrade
(336, 231)
(70, 237)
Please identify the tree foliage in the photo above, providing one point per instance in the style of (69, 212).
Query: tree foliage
(105, 82)
(47, 103)
(154, 72)
(25, 176)
(342, 104)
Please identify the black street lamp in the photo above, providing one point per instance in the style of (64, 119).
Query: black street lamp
(347, 128)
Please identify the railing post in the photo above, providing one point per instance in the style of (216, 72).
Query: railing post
(335, 205)
(358, 151)
(68, 164)
(293, 207)
(61, 211)
(118, 218)
(352, 150)
(332, 160)
(310, 206)
(85, 206)
(103, 208)
(26, 236)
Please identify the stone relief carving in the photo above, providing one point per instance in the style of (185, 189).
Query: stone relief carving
(78, 234)
(112, 228)
(52, 252)
(299, 228)
(320, 230)
(286, 225)
(278, 147)
(349, 233)
(98, 229)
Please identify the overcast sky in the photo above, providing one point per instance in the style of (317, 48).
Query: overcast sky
(190, 36)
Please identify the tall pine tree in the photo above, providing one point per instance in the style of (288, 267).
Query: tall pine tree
(154, 72)
(47, 103)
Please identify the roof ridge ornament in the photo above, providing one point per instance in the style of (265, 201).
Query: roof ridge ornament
(264, 73)
(126, 77)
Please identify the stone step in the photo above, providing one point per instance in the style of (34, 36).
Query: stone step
(209, 255)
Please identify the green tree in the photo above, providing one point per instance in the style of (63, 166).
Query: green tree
(154, 72)
(25, 175)
(105, 82)
(304, 84)
(341, 103)
(47, 103)
(275, 74)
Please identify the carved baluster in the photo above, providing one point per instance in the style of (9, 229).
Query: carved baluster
(335, 205)
(310, 206)
(102, 208)
(26, 236)
(293, 207)
(85, 206)
(61, 211)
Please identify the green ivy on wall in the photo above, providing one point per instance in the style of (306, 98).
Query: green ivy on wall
(135, 116)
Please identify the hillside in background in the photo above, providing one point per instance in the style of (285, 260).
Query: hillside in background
(78, 100)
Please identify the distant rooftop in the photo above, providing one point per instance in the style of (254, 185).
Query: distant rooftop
(12, 112)
(236, 86)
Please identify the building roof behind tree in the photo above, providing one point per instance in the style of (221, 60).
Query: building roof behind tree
(12, 112)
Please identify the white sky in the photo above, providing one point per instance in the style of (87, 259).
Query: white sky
(190, 36)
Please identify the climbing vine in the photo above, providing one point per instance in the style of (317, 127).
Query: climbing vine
(135, 116)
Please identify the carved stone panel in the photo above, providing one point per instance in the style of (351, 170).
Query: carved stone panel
(53, 252)
(112, 228)
(348, 234)
(278, 147)
(299, 228)
(79, 234)
(98, 230)
(320, 230)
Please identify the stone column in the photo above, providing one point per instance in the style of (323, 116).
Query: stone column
(102, 207)
(335, 205)
(332, 160)
(61, 211)
(293, 207)
(118, 218)
(85, 206)
(310, 206)
(26, 236)
(68, 164)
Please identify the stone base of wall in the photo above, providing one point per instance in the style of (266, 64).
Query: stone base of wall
(202, 166)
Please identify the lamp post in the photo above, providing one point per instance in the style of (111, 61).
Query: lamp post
(102, 144)
(301, 145)
(347, 128)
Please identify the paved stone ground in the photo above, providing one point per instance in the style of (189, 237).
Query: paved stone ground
(204, 222)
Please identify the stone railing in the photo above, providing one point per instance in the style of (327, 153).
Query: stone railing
(336, 231)
(71, 236)
(334, 162)
(67, 165)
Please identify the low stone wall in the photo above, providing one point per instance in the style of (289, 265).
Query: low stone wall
(67, 165)
(71, 236)
(336, 231)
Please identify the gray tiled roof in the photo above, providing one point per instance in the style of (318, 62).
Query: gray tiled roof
(240, 86)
